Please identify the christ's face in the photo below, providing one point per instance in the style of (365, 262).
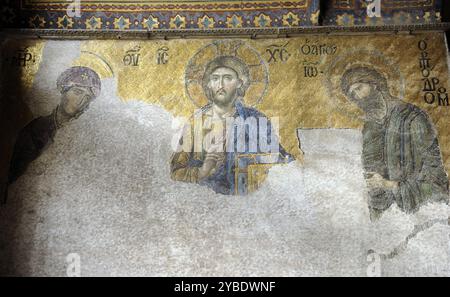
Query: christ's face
(224, 84)
(76, 100)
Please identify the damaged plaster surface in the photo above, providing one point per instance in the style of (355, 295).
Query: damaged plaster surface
(112, 202)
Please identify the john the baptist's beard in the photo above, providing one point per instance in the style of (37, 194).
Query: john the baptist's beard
(374, 104)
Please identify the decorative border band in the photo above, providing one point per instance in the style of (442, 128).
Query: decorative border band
(225, 33)
(154, 15)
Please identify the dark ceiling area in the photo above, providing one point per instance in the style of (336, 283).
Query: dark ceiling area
(446, 11)
(446, 17)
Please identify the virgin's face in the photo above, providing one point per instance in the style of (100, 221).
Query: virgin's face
(76, 100)
(224, 84)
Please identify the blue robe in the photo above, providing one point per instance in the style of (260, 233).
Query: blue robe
(226, 180)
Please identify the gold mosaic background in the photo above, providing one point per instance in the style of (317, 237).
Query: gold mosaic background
(299, 101)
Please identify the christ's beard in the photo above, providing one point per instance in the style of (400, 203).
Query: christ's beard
(224, 101)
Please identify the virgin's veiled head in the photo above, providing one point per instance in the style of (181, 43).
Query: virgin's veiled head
(78, 86)
(79, 76)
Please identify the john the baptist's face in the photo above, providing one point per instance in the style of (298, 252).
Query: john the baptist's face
(359, 91)
(368, 98)
(224, 84)
(76, 100)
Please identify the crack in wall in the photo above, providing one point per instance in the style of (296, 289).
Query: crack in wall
(417, 229)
